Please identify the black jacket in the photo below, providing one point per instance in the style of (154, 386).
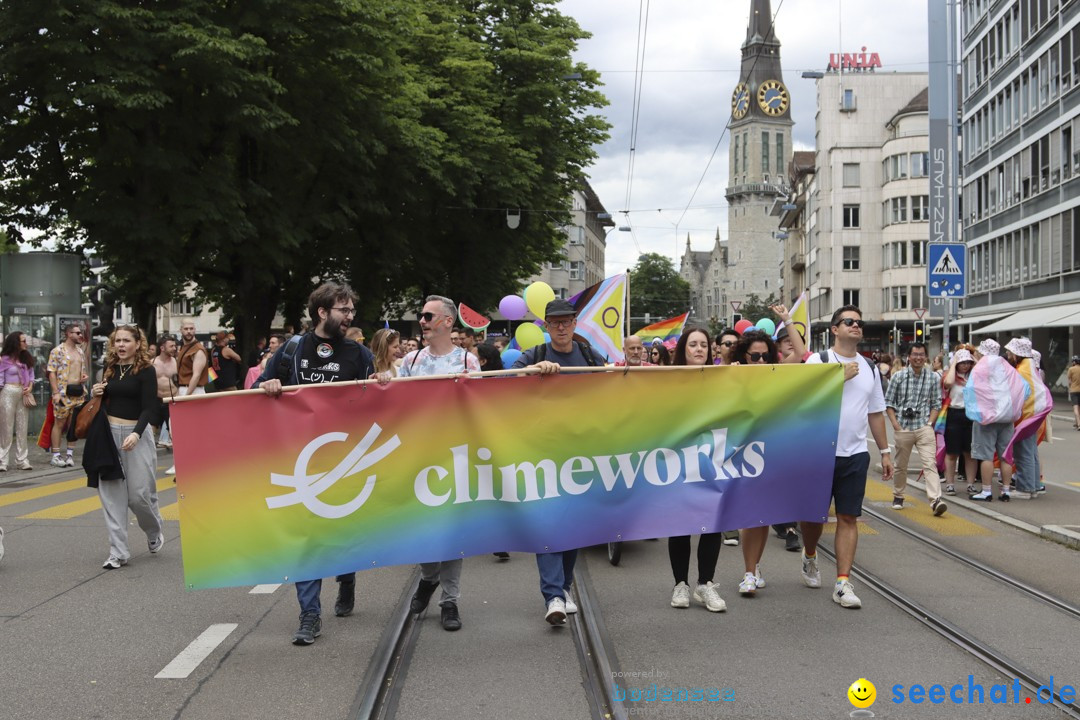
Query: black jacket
(101, 459)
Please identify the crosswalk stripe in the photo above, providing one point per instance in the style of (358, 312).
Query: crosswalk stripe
(919, 512)
(66, 511)
(263, 589)
(39, 492)
(199, 649)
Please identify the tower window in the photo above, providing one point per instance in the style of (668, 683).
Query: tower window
(780, 154)
(764, 152)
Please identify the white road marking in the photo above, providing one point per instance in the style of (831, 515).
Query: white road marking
(199, 649)
(263, 589)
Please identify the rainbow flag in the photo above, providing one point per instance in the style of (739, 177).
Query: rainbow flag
(212, 373)
(669, 329)
(367, 481)
(600, 316)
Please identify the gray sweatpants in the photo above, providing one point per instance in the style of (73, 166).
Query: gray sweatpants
(448, 574)
(138, 491)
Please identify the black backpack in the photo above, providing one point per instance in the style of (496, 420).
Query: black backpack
(824, 355)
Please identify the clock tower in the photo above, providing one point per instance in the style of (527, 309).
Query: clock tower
(758, 155)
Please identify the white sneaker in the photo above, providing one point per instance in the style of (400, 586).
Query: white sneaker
(680, 596)
(811, 576)
(69, 461)
(57, 461)
(1, 543)
(113, 563)
(556, 612)
(759, 580)
(748, 586)
(156, 543)
(985, 495)
(706, 595)
(25, 465)
(171, 470)
(733, 541)
(845, 595)
(571, 606)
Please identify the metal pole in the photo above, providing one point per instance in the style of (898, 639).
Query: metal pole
(953, 206)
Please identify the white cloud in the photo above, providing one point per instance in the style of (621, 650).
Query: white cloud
(692, 59)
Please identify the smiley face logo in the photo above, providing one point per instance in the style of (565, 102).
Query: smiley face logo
(862, 693)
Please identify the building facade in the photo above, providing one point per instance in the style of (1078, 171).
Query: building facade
(1020, 67)
(859, 216)
(586, 244)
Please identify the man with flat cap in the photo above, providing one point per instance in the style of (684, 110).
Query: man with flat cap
(560, 320)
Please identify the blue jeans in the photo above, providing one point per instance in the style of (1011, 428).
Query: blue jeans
(308, 591)
(1026, 458)
(556, 573)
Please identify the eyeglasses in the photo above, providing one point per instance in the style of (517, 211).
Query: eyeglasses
(852, 321)
(561, 323)
(347, 312)
(429, 316)
(758, 357)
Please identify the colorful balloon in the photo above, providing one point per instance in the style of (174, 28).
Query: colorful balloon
(766, 326)
(509, 357)
(528, 335)
(537, 296)
(742, 326)
(512, 307)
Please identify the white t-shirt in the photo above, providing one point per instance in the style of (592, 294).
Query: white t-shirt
(423, 362)
(862, 396)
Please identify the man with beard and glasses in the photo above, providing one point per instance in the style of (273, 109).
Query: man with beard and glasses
(441, 355)
(321, 356)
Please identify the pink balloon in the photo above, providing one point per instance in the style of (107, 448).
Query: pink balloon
(742, 326)
(512, 307)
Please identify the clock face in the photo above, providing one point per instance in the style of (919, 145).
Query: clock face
(772, 97)
(740, 101)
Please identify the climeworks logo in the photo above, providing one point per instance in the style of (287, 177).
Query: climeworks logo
(309, 487)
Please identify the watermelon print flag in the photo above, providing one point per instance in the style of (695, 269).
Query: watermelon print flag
(668, 329)
(600, 316)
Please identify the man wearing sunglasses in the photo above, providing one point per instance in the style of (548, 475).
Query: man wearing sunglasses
(724, 348)
(66, 370)
(863, 403)
(321, 356)
(441, 355)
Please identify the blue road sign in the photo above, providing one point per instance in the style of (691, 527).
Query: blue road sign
(946, 270)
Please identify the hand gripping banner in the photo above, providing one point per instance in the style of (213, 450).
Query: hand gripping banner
(334, 478)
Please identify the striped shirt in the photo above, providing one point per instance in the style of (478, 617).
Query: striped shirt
(921, 392)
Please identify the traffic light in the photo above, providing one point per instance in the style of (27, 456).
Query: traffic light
(735, 318)
(920, 327)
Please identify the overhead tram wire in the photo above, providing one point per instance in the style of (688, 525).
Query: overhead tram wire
(772, 27)
(635, 112)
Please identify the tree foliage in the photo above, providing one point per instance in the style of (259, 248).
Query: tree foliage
(657, 289)
(252, 147)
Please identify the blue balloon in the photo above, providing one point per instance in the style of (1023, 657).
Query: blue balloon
(766, 326)
(509, 357)
(547, 337)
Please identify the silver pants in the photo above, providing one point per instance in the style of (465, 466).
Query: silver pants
(138, 491)
(448, 574)
(12, 418)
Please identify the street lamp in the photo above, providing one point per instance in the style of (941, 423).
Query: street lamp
(813, 74)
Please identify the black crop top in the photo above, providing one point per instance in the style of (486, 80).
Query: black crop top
(133, 398)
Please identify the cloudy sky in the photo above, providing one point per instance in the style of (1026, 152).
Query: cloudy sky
(692, 51)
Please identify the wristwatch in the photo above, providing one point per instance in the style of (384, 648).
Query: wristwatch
(885, 451)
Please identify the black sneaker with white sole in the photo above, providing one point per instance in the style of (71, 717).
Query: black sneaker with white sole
(310, 628)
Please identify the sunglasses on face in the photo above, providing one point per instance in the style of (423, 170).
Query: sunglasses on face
(728, 343)
(429, 316)
(757, 357)
(852, 321)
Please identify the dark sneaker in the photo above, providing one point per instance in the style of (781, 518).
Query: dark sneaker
(502, 555)
(450, 619)
(346, 597)
(422, 596)
(310, 628)
(897, 503)
(792, 542)
(939, 507)
(950, 490)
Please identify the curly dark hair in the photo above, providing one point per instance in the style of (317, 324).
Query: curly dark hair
(748, 339)
(680, 348)
(14, 350)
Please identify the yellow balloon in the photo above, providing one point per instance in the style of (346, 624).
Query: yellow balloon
(528, 335)
(537, 296)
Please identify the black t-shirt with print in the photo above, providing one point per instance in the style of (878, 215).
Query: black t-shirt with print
(321, 361)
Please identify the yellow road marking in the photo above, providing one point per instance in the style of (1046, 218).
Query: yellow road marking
(860, 526)
(1075, 483)
(919, 512)
(66, 511)
(170, 511)
(39, 492)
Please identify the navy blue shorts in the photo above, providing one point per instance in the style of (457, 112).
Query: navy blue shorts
(849, 483)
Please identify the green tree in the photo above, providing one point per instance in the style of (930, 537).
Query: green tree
(656, 289)
(754, 308)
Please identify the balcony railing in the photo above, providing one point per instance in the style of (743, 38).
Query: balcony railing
(798, 261)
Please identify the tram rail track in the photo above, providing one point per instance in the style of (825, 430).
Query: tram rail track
(952, 632)
(381, 690)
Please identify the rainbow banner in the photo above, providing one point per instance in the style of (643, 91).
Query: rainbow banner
(330, 479)
(669, 329)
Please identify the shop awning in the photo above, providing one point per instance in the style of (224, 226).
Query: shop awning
(1034, 318)
(964, 321)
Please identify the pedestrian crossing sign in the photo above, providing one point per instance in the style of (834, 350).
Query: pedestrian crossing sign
(947, 271)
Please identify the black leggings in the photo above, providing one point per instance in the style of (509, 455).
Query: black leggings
(708, 551)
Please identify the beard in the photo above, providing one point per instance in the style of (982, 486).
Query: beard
(332, 331)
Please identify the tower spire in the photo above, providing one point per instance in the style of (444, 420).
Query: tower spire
(760, 27)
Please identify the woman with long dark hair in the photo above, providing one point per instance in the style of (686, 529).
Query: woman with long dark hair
(754, 348)
(17, 383)
(130, 405)
(659, 355)
(695, 349)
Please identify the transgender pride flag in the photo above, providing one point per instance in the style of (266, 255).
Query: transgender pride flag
(669, 329)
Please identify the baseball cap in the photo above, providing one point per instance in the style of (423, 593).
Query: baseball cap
(559, 308)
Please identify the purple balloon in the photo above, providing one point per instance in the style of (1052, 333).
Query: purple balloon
(512, 307)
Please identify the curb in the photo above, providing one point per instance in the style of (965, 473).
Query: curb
(18, 476)
(1056, 533)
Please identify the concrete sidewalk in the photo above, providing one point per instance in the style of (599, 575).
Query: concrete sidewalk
(39, 462)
